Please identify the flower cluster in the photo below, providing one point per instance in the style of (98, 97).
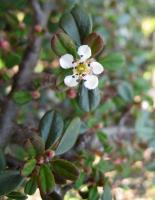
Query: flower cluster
(85, 68)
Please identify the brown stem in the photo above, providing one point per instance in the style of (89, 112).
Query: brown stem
(26, 67)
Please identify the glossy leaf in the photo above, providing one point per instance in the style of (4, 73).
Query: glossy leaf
(61, 44)
(95, 42)
(28, 167)
(113, 61)
(77, 24)
(89, 99)
(51, 127)
(31, 186)
(70, 136)
(65, 169)
(17, 196)
(46, 179)
(9, 181)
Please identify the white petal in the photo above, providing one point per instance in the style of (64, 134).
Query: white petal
(97, 68)
(91, 81)
(71, 81)
(66, 61)
(84, 52)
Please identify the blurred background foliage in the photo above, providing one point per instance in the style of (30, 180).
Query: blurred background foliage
(126, 114)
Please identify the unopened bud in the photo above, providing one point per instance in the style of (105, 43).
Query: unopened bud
(35, 94)
(71, 93)
(50, 154)
(41, 161)
(4, 44)
(38, 28)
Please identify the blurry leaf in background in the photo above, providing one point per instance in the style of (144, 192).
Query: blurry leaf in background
(88, 99)
(113, 61)
(107, 193)
(51, 127)
(16, 196)
(2, 160)
(125, 91)
(31, 186)
(70, 136)
(9, 181)
(22, 97)
(93, 194)
(28, 167)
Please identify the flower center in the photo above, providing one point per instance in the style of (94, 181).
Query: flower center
(81, 68)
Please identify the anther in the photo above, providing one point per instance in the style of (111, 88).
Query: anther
(73, 76)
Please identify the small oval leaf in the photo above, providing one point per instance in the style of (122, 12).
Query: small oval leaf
(65, 169)
(89, 99)
(46, 179)
(61, 44)
(125, 91)
(28, 167)
(31, 186)
(51, 127)
(70, 136)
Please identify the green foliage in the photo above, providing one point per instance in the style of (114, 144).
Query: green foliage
(2, 160)
(89, 99)
(28, 167)
(65, 169)
(113, 61)
(9, 181)
(107, 193)
(17, 196)
(51, 127)
(70, 136)
(46, 179)
(22, 97)
(31, 186)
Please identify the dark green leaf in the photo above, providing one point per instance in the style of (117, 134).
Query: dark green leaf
(113, 61)
(28, 167)
(65, 169)
(80, 180)
(70, 136)
(125, 91)
(17, 196)
(31, 186)
(12, 60)
(61, 44)
(2, 160)
(93, 194)
(46, 179)
(77, 24)
(18, 151)
(107, 193)
(89, 99)
(104, 141)
(95, 42)
(31, 151)
(9, 181)
(38, 143)
(22, 97)
(51, 127)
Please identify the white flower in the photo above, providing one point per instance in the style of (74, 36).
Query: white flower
(85, 68)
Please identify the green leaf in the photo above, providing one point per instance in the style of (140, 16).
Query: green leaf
(61, 44)
(77, 24)
(17, 196)
(22, 97)
(150, 166)
(28, 167)
(70, 136)
(93, 194)
(31, 186)
(107, 193)
(2, 160)
(65, 169)
(95, 42)
(113, 61)
(12, 60)
(9, 181)
(51, 127)
(38, 143)
(125, 91)
(104, 141)
(30, 149)
(46, 179)
(80, 180)
(89, 99)
(18, 151)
